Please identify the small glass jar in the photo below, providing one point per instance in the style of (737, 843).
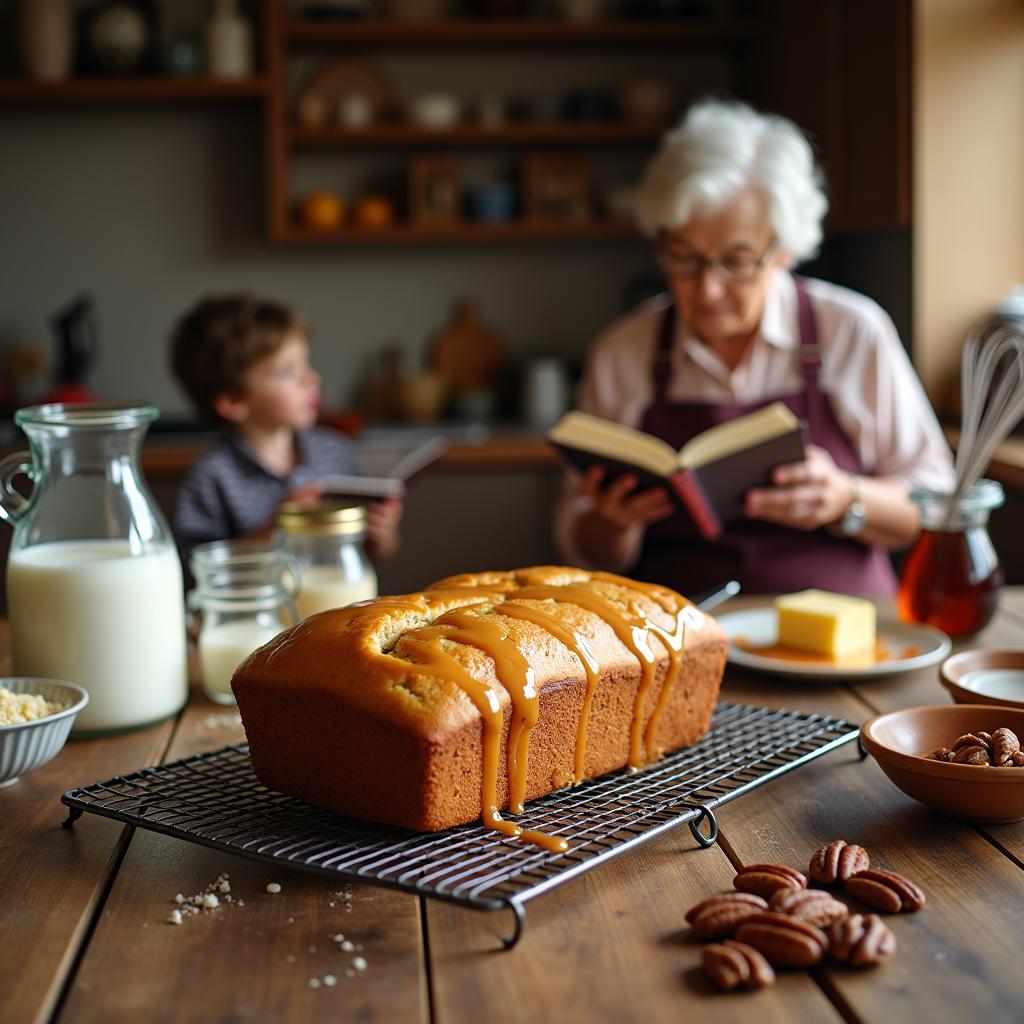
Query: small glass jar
(951, 577)
(327, 540)
(244, 597)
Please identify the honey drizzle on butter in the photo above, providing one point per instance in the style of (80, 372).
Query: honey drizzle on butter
(578, 645)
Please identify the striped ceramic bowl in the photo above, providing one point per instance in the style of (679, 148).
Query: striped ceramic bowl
(27, 745)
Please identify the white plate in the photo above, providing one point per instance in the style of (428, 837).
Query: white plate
(757, 627)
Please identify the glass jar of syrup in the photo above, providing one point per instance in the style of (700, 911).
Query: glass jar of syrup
(952, 576)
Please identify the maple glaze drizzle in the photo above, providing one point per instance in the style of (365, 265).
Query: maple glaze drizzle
(519, 679)
(684, 611)
(632, 632)
(516, 675)
(578, 645)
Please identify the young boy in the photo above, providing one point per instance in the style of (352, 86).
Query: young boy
(244, 363)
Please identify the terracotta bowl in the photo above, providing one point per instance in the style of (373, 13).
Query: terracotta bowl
(899, 742)
(985, 677)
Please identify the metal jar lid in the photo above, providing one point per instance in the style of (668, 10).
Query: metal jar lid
(325, 518)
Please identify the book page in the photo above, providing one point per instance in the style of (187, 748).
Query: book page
(603, 437)
(743, 432)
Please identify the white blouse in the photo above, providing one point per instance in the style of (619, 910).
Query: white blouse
(874, 392)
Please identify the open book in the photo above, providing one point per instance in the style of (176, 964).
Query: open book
(708, 477)
(391, 485)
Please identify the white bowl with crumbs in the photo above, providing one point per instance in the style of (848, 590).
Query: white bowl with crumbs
(36, 716)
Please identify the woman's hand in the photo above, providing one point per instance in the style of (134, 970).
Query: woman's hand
(382, 519)
(611, 533)
(621, 504)
(806, 495)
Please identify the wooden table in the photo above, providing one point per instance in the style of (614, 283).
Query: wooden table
(84, 933)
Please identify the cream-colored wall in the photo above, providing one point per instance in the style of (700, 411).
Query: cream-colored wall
(968, 173)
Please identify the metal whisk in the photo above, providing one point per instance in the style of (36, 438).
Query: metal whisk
(992, 398)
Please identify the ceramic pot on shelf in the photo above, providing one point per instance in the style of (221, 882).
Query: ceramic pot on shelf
(45, 33)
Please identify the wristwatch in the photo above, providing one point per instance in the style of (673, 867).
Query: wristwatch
(855, 517)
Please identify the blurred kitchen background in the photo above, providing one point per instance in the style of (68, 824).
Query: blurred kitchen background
(443, 188)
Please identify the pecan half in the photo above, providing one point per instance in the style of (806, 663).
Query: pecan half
(1004, 745)
(861, 940)
(942, 754)
(732, 964)
(886, 891)
(765, 879)
(976, 754)
(812, 905)
(971, 739)
(785, 941)
(717, 917)
(1017, 759)
(837, 861)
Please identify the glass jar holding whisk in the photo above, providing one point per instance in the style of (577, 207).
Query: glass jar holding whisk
(951, 577)
(244, 597)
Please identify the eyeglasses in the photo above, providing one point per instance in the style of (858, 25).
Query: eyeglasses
(736, 267)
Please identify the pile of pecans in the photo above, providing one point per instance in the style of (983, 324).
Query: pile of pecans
(1001, 749)
(774, 920)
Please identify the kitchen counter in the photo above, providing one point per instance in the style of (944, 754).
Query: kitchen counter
(86, 938)
(170, 455)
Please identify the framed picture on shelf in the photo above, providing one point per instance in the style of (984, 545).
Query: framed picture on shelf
(435, 192)
(557, 189)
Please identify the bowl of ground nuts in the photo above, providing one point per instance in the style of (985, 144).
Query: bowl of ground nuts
(36, 716)
(964, 760)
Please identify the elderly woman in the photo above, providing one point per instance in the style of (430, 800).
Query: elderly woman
(732, 200)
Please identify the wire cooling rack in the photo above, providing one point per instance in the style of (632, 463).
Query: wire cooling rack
(215, 799)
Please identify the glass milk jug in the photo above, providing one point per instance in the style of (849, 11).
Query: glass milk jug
(244, 597)
(327, 539)
(94, 585)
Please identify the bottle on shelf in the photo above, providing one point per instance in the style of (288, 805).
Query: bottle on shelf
(228, 40)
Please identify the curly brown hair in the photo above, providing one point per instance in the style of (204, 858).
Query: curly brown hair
(216, 342)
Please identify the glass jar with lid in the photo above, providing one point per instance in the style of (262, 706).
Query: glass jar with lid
(244, 597)
(327, 539)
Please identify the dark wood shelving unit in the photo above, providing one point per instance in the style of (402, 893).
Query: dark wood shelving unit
(520, 31)
(288, 37)
(470, 231)
(560, 133)
(133, 89)
(794, 56)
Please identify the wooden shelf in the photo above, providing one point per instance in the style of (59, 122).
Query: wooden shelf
(565, 133)
(130, 89)
(411, 234)
(521, 31)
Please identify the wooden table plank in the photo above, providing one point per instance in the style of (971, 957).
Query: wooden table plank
(974, 892)
(251, 962)
(617, 936)
(923, 687)
(612, 945)
(53, 879)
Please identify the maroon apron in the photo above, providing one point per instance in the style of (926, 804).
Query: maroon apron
(764, 557)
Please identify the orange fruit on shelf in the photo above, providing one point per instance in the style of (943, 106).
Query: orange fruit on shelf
(373, 211)
(321, 210)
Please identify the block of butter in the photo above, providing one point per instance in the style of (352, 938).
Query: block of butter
(834, 625)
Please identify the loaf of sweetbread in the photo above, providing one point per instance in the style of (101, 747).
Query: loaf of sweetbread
(429, 710)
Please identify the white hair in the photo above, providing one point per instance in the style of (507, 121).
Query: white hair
(720, 148)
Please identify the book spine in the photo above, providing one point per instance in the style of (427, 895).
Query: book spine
(692, 496)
